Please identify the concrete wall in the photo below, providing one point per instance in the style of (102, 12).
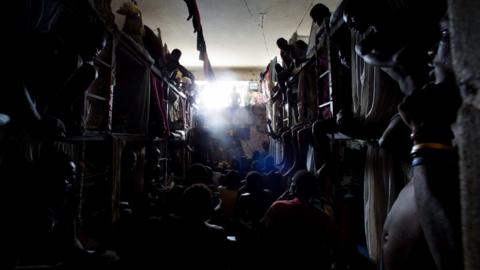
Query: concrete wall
(465, 38)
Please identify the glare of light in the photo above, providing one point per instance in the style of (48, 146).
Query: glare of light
(213, 97)
(218, 95)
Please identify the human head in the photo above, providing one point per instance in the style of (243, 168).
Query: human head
(282, 44)
(176, 54)
(275, 182)
(403, 33)
(197, 203)
(254, 181)
(232, 179)
(304, 184)
(196, 174)
(319, 12)
(256, 165)
(269, 163)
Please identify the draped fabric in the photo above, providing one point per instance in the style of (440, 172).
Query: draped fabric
(374, 200)
(311, 160)
(375, 97)
(118, 144)
(312, 40)
(383, 181)
(131, 102)
(194, 13)
(307, 95)
(159, 125)
(302, 99)
(202, 47)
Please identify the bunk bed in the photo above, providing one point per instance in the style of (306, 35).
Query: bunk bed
(126, 111)
(345, 107)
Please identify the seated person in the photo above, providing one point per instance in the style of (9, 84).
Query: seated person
(252, 203)
(199, 143)
(190, 241)
(228, 194)
(297, 230)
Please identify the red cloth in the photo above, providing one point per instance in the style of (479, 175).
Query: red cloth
(298, 223)
(158, 111)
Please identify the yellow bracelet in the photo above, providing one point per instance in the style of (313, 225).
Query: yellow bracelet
(433, 146)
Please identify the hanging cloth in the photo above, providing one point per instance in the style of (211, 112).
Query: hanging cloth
(159, 125)
(375, 97)
(194, 13)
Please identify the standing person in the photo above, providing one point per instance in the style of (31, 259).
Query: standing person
(422, 229)
(199, 143)
(432, 197)
(235, 98)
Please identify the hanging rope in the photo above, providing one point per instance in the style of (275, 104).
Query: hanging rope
(304, 15)
(263, 33)
(248, 8)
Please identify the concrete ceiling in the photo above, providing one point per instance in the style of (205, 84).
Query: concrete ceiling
(232, 32)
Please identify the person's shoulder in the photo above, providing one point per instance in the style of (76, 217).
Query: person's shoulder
(214, 227)
(281, 204)
(287, 203)
(215, 232)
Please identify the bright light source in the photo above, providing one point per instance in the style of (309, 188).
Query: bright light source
(212, 97)
(220, 94)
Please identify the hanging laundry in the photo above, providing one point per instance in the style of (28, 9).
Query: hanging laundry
(202, 48)
(194, 13)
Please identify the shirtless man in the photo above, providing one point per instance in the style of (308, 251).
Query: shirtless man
(432, 196)
(422, 230)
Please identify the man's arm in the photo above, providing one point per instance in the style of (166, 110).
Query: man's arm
(435, 172)
(186, 73)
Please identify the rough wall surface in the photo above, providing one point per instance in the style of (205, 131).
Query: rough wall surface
(465, 38)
